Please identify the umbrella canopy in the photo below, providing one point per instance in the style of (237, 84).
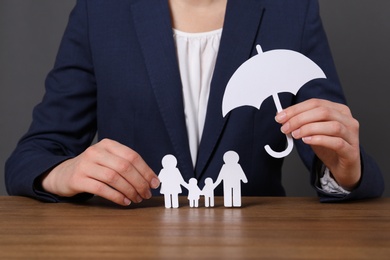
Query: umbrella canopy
(267, 74)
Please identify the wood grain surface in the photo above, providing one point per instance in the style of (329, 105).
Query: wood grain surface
(263, 228)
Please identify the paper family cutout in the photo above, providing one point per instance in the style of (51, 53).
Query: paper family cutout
(265, 74)
(231, 175)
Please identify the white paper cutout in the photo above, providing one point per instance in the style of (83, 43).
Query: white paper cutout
(208, 192)
(267, 74)
(171, 179)
(231, 174)
(193, 193)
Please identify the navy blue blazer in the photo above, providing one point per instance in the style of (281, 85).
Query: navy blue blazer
(116, 74)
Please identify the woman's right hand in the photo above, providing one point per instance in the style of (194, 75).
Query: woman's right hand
(107, 169)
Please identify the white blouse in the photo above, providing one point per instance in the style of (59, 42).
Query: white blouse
(197, 54)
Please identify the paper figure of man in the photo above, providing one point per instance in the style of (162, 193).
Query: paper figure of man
(171, 179)
(231, 174)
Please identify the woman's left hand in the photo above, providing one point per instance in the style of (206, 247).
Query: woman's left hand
(332, 132)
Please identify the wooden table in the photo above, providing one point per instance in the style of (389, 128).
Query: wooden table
(265, 227)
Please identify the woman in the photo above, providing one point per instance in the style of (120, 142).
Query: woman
(149, 79)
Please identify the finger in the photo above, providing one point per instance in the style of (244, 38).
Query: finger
(315, 103)
(101, 189)
(143, 168)
(307, 105)
(118, 173)
(116, 181)
(136, 160)
(338, 145)
(92, 170)
(86, 182)
(330, 128)
(318, 114)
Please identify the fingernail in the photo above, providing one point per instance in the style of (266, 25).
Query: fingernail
(280, 116)
(285, 128)
(148, 194)
(155, 183)
(295, 134)
(306, 139)
(138, 199)
(126, 201)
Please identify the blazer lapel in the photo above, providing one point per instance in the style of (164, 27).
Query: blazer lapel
(154, 30)
(241, 25)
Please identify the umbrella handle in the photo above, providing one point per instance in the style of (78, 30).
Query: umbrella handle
(290, 143)
(287, 151)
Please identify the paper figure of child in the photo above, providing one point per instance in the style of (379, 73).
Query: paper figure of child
(208, 192)
(171, 179)
(231, 174)
(193, 193)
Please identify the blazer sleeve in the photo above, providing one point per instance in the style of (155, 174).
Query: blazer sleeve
(315, 46)
(64, 123)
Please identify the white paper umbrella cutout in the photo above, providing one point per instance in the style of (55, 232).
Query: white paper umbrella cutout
(267, 74)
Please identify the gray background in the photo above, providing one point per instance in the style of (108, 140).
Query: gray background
(358, 32)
